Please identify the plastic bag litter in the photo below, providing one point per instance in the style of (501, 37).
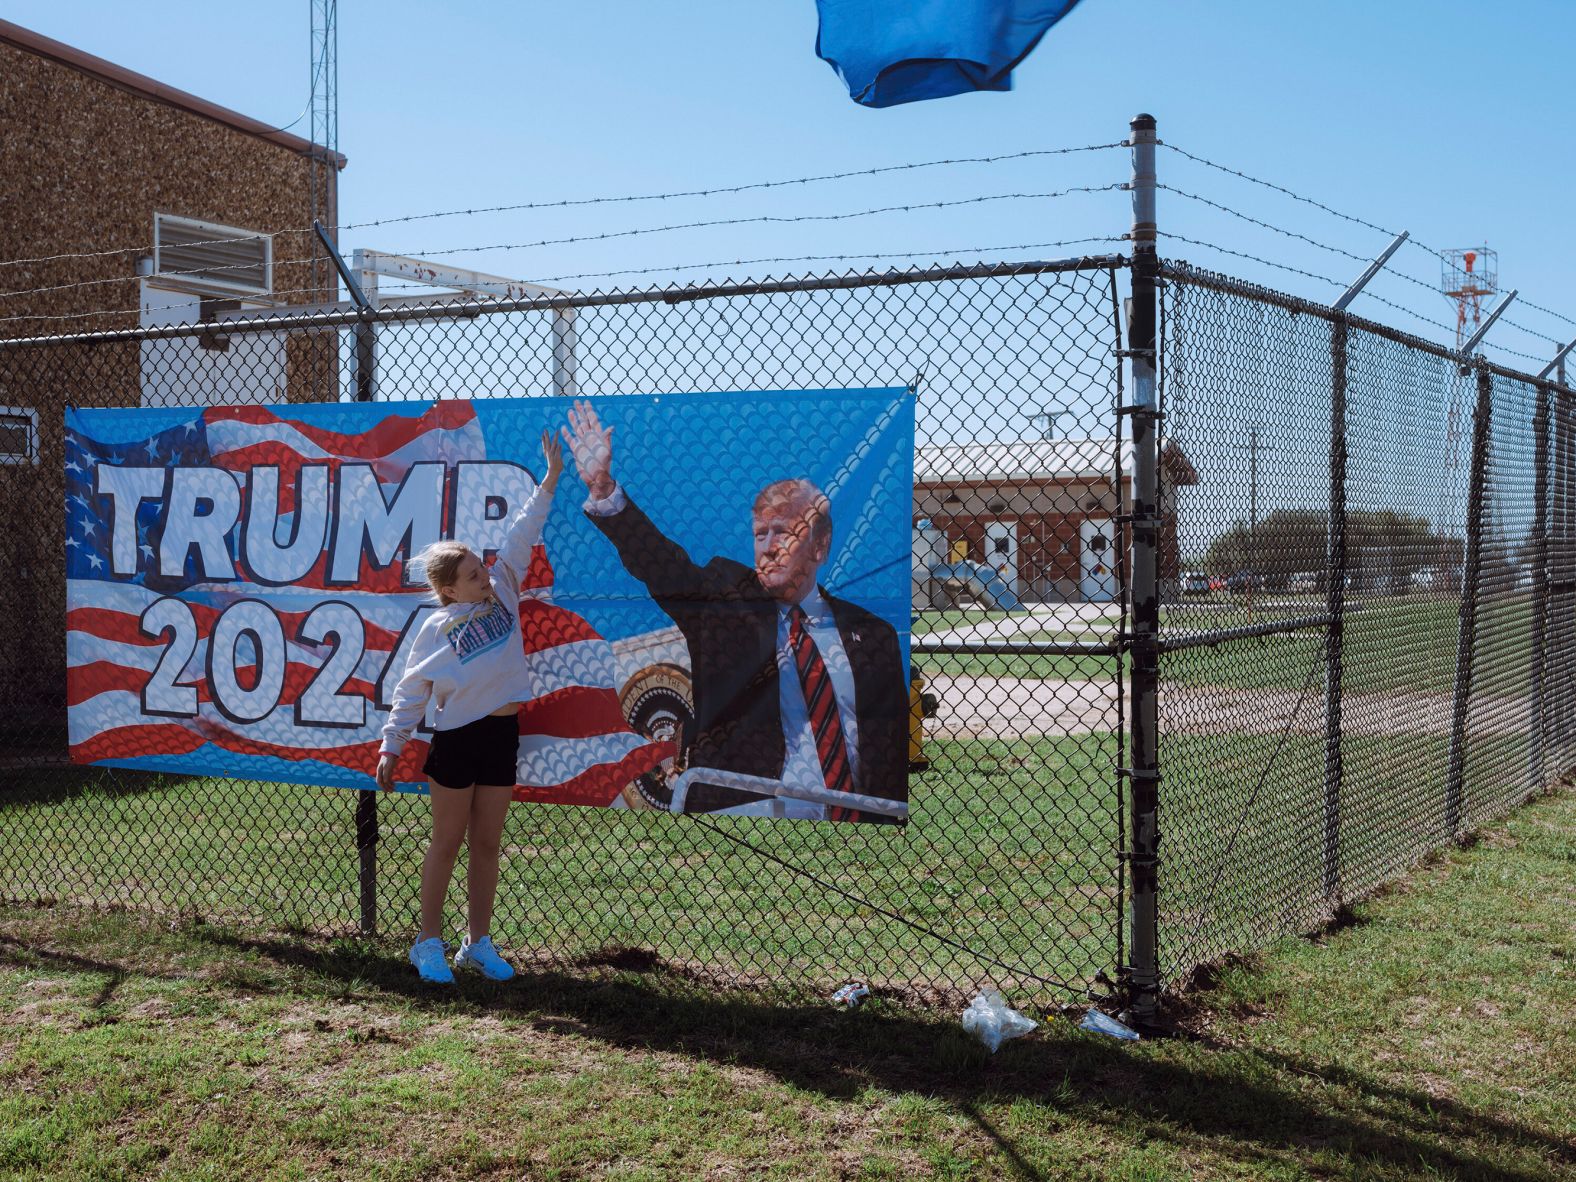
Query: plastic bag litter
(991, 1020)
(851, 995)
(1103, 1023)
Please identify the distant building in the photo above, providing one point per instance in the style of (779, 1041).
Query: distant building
(131, 194)
(1043, 512)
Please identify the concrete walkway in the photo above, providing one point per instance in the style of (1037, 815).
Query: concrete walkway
(1023, 708)
(1038, 617)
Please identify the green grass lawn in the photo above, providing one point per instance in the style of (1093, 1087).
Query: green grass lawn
(1425, 1037)
(1011, 852)
(1406, 643)
(926, 622)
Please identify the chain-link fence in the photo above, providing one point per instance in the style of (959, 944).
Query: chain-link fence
(1009, 871)
(1367, 651)
(1366, 559)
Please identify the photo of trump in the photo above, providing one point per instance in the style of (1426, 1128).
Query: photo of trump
(800, 696)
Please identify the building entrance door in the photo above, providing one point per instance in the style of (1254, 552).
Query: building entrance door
(1097, 559)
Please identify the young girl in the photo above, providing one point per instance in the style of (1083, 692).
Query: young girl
(467, 657)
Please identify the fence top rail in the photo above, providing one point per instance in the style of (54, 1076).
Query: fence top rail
(1182, 272)
(449, 308)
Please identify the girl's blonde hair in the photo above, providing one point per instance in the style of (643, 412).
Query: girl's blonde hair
(439, 564)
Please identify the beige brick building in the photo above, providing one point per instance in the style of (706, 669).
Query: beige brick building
(94, 154)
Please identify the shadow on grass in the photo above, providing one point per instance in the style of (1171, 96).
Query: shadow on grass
(1195, 1095)
(53, 782)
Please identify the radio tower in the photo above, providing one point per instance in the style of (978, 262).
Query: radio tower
(1469, 275)
(325, 138)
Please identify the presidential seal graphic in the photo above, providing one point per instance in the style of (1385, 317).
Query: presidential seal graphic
(658, 703)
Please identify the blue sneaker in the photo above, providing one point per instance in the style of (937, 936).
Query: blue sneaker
(431, 962)
(484, 958)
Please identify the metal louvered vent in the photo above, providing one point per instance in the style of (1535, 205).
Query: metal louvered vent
(203, 256)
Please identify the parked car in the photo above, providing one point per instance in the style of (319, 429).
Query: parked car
(1195, 582)
(1245, 580)
(1303, 581)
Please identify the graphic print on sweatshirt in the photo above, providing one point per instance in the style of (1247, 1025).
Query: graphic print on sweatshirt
(479, 632)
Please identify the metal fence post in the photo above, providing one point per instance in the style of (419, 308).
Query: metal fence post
(1335, 606)
(1466, 634)
(1540, 584)
(1142, 973)
(1561, 568)
(366, 356)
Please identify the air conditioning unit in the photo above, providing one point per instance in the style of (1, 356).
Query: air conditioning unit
(206, 257)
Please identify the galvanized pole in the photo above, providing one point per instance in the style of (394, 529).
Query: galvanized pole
(1540, 583)
(1562, 567)
(1466, 633)
(1142, 972)
(1335, 608)
(366, 383)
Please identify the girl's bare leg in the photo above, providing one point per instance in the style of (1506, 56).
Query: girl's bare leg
(451, 815)
(489, 807)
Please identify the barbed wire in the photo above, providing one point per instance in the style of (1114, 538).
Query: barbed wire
(1366, 294)
(1550, 312)
(620, 199)
(1438, 254)
(761, 219)
(34, 291)
(730, 189)
(1237, 213)
(282, 310)
(1282, 189)
(1307, 274)
(836, 258)
(401, 285)
(773, 219)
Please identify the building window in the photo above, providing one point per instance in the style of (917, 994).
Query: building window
(18, 435)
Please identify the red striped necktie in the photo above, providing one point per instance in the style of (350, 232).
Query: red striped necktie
(826, 724)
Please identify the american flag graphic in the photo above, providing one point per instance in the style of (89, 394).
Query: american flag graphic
(209, 635)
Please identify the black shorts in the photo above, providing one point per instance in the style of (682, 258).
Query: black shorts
(482, 752)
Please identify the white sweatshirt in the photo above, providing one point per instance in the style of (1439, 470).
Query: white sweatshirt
(467, 657)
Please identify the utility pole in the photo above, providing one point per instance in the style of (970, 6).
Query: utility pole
(1253, 448)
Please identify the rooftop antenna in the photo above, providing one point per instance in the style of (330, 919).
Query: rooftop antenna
(325, 139)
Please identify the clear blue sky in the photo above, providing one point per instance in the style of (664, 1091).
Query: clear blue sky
(1445, 117)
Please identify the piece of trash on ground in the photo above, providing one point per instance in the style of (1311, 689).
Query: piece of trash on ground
(1102, 1023)
(991, 1020)
(852, 994)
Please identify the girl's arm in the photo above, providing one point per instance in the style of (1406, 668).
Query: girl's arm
(410, 700)
(526, 528)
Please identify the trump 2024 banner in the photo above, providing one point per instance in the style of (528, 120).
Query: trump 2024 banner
(716, 618)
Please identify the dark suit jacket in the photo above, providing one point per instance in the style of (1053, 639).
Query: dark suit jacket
(729, 622)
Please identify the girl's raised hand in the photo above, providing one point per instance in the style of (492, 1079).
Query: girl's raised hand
(553, 451)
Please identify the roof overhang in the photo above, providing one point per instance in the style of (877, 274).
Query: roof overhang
(144, 87)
